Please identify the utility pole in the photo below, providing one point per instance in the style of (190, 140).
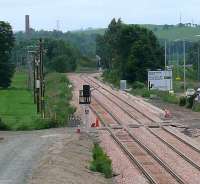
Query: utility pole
(184, 65)
(177, 61)
(37, 82)
(165, 54)
(41, 53)
(198, 78)
(38, 77)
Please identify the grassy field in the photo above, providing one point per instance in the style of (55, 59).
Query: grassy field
(17, 109)
(18, 112)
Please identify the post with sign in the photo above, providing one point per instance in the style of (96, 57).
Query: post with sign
(85, 100)
(160, 80)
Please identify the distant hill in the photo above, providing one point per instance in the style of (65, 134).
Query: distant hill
(168, 32)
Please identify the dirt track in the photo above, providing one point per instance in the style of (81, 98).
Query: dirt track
(20, 152)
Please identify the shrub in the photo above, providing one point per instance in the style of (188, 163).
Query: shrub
(3, 126)
(146, 93)
(182, 101)
(138, 84)
(190, 101)
(101, 162)
(196, 107)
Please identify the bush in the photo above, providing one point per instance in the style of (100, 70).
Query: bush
(146, 93)
(182, 101)
(196, 107)
(101, 162)
(138, 84)
(3, 126)
(112, 77)
(190, 101)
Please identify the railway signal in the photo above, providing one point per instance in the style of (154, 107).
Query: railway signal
(84, 101)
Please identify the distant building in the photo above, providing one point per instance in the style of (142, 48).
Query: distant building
(27, 24)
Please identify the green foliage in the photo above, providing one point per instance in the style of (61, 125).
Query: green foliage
(6, 45)
(190, 101)
(112, 77)
(182, 101)
(60, 56)
(196, 107)
(101, 162)
(129, 49)
(138, 84)
(58, 96)
(63, 64)
(166, 97)
(146, 93)
(3, 125)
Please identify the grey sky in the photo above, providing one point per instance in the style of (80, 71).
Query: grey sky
(76, 14)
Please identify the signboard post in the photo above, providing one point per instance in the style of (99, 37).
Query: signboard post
(160, 80)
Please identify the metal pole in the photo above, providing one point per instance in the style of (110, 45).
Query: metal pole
(198, 78)
(177, 62)
(184, 65)
(165, 54)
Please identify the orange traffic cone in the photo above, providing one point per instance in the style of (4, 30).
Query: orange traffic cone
(97, 122)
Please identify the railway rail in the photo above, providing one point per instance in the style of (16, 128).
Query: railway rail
(131, 145)
(125, 106)
(155, 170)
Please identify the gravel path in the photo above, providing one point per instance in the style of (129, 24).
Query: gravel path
(20, 152)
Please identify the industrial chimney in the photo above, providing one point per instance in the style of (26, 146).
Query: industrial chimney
(27, 24)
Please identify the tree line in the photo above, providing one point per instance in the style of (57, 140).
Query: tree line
(128, 51)
(6, 44)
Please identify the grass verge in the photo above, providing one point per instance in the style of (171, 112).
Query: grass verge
(18, 111)
(58, 95)
(101, 162)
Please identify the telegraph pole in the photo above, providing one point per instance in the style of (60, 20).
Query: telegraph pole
(41, 53)
(184, 64)
(165, 54)
(37, 89)
(198, 78)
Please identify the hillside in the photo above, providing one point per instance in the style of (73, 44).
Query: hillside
(171, 33)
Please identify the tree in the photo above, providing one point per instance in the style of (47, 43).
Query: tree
(63, 64)
(6, 45)
(129, 50)
(60, 56)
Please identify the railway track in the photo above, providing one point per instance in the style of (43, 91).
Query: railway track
(181, 150)
(126, 107)
(185, 150)
(154, 169)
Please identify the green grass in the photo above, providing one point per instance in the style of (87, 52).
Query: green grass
(101, 162)
(18, 112)
(17, 108)
(58, 96)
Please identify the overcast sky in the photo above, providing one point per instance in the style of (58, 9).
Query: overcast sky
(77, 14)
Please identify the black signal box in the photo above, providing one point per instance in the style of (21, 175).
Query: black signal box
(85, 95)
(86, 90)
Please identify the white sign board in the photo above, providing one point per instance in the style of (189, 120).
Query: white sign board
(160, 80)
